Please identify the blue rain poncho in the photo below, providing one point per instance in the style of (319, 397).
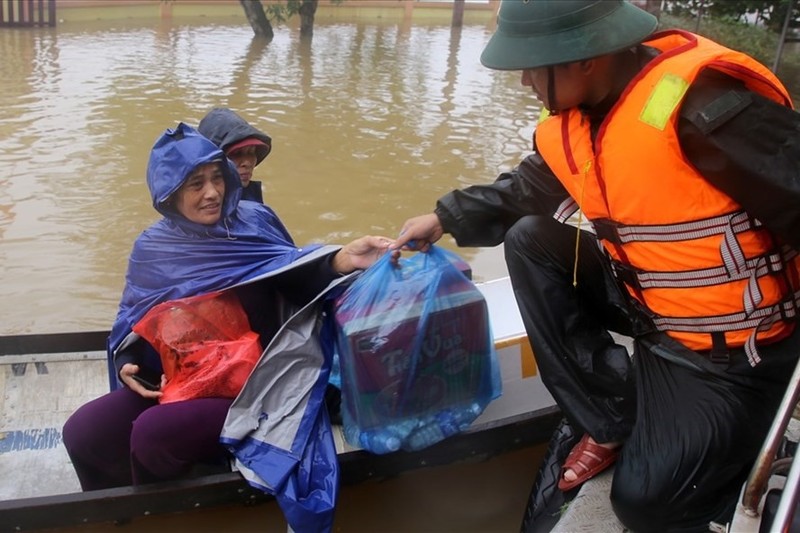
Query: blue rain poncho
(175, 258)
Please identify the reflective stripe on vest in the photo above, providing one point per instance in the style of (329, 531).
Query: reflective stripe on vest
(686, 251)
(567, 208)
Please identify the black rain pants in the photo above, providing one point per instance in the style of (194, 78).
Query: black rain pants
(691, 428)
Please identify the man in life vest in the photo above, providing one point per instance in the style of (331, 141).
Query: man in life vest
(683, 158)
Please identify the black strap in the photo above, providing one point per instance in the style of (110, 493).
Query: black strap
(719, 348)
(626, 274)
(606, 230)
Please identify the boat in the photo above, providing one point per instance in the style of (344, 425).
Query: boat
(46, 376)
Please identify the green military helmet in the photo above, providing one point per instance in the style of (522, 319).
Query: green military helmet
(539, 33)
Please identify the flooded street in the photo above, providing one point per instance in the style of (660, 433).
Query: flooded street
(371, 122)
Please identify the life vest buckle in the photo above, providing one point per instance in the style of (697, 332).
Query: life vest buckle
(719, 357)
(626, 274)
(607, 230)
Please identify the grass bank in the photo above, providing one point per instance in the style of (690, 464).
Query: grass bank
(757, 42)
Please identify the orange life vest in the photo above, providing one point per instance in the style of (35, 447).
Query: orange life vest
(709, 274)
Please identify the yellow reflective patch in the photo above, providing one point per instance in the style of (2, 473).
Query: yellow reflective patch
(662, 102)
(544, 114)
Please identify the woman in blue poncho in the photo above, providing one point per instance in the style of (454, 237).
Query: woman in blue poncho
(206, 241)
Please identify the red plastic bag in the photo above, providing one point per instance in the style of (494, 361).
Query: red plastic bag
(206, 346)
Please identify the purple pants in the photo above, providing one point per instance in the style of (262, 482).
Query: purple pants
(122, 438)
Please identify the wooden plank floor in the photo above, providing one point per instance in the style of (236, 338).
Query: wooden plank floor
(36, 398)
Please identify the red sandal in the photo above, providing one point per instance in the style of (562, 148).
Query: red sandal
(586, 460)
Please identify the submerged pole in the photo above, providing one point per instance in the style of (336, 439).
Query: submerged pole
(458, 14)
(784, 31)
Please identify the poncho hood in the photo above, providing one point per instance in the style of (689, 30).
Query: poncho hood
(225, 129)
(173, 157)
(176, 258)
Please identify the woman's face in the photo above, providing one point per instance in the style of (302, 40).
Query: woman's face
(200, 197)
(245, 160)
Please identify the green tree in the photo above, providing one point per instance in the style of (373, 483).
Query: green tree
(775, 22)
(305, 8)
(261, 20)
(740, 10)
(770, 13)
(257, 18)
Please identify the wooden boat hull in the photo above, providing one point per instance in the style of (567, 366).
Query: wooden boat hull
(45, 377)
(127, 503)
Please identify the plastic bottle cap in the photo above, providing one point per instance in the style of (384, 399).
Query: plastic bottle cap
(393, 444)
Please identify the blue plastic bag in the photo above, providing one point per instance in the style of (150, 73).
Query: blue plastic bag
(416, 351)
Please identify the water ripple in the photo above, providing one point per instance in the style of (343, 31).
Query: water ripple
(371, 123)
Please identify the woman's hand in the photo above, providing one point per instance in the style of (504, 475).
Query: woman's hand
(126, 374)
(361, 254)
(419, 233)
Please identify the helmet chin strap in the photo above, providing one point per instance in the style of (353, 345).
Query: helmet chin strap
(551, 90)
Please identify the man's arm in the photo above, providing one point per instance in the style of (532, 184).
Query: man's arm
(480, 215)
(748, 147)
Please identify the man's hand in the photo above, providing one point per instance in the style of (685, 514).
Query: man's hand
(361, 254)
(419, 233)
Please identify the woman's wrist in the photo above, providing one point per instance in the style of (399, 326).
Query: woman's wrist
(341, 263)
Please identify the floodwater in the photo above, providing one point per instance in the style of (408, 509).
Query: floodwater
(371, 122)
